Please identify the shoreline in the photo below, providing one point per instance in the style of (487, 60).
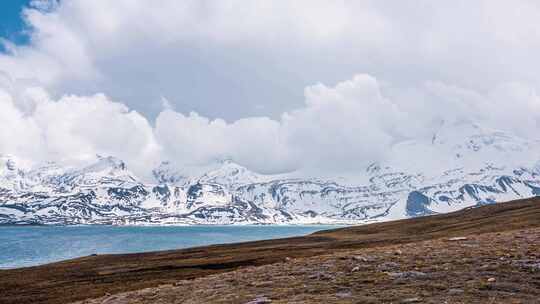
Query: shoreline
(192, 225)
(181, 237)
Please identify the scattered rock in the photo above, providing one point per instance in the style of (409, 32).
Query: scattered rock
(116, 300)
(398, 252)
(109, 300)
(388, 266)
(486, 267)
(458, 238)
(321, 276)
(261, 284)
(355, 269)
(408, 274)
(455, 291)
(344, 294)
(327, 265)
(531, 265)
(362, 258)
(411, 300)
(491, 280)
(260, 300)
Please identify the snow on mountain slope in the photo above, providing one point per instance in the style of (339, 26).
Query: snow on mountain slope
(459, 165)
(223, 171)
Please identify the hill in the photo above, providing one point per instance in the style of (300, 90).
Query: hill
(506, 230)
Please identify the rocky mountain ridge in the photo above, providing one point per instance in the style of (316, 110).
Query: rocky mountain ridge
(459, 166)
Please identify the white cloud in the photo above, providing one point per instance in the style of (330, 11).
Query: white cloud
(254, 142)
(74, 129)
(342, 127)
(18, 134)
(241, 66)
(195, 52)
(339, 129)
(81, 127)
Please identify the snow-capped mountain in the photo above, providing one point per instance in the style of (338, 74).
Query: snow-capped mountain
(458, 166)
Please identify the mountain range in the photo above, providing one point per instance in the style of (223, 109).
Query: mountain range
(459, 165)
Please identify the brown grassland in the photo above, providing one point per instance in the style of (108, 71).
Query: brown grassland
(496, 259)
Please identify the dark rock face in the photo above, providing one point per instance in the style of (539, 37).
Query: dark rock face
(417, 204)
(534, 189)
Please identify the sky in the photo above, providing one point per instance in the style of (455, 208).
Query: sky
(12, 25)
(274, 85)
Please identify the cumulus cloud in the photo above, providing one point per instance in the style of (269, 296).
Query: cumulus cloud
(73, 129)
(93, 78)
(81, 127)
(18, 134)
(263, 52)
(343, 126)
(255, 142)
(340, 129)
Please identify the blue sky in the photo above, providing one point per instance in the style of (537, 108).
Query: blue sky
(11, 23)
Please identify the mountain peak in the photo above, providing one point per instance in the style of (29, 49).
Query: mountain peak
(167, 173)
(103, 169)
(451, 132)
(222, 171)
(106, 163)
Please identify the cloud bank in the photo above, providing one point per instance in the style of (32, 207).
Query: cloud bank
(193, 81)
(231, 59)
(339, 129)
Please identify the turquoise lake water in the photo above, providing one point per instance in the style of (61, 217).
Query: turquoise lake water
(34, 245)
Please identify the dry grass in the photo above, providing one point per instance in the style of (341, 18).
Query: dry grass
(487, 268)
(96, 276)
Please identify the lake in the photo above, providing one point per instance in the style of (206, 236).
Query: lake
(22, 246)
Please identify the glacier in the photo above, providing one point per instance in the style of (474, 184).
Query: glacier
(458, 166)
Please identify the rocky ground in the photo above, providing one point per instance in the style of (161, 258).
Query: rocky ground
(501, 267)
